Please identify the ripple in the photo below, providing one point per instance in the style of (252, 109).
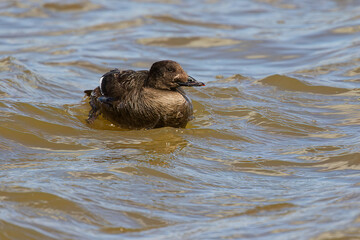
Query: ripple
(281, 208)
(172, 19)
(48, 204)
(293, 84)
(188, 42)
(144, 222)
(82, 64)
(347, 29)
(347, 161)
(97, 176)
(107, 26)
(83, 6)
(144, 171)
(273, 151)
(33, 10)
(37, 142)
(19, 81)
(15, 231)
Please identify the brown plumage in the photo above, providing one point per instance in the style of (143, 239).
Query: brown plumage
(144, 99)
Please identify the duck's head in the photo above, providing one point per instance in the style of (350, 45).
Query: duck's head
(169, 75)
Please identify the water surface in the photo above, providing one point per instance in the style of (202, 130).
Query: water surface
(273, 151)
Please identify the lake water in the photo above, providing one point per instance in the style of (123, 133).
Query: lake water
(273, 151)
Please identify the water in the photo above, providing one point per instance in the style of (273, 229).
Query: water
(273, 152)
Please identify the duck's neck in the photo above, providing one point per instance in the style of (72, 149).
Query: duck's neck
(156, 83)
(181, 91)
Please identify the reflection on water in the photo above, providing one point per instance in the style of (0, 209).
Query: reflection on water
(273, 151)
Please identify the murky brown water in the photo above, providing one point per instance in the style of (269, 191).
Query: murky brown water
(272, 154)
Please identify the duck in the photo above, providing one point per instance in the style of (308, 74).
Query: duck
(144, 99)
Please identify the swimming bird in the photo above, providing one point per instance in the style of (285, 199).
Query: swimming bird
(144, 99)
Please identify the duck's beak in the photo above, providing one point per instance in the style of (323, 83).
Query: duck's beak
(191, 82)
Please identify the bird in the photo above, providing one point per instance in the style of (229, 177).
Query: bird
(144, 99)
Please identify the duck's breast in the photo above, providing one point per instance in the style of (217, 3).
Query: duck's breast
(173, 107)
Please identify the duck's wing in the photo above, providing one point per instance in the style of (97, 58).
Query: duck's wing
(115, 87)
(117, 84)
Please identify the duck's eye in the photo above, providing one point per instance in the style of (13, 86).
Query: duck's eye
(171, 69)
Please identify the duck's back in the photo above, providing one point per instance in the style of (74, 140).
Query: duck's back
(118, 84)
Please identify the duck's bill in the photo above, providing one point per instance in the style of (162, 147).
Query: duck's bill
(191, 82)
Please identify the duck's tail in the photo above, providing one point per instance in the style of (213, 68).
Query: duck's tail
(88, 92)
(95, 110)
